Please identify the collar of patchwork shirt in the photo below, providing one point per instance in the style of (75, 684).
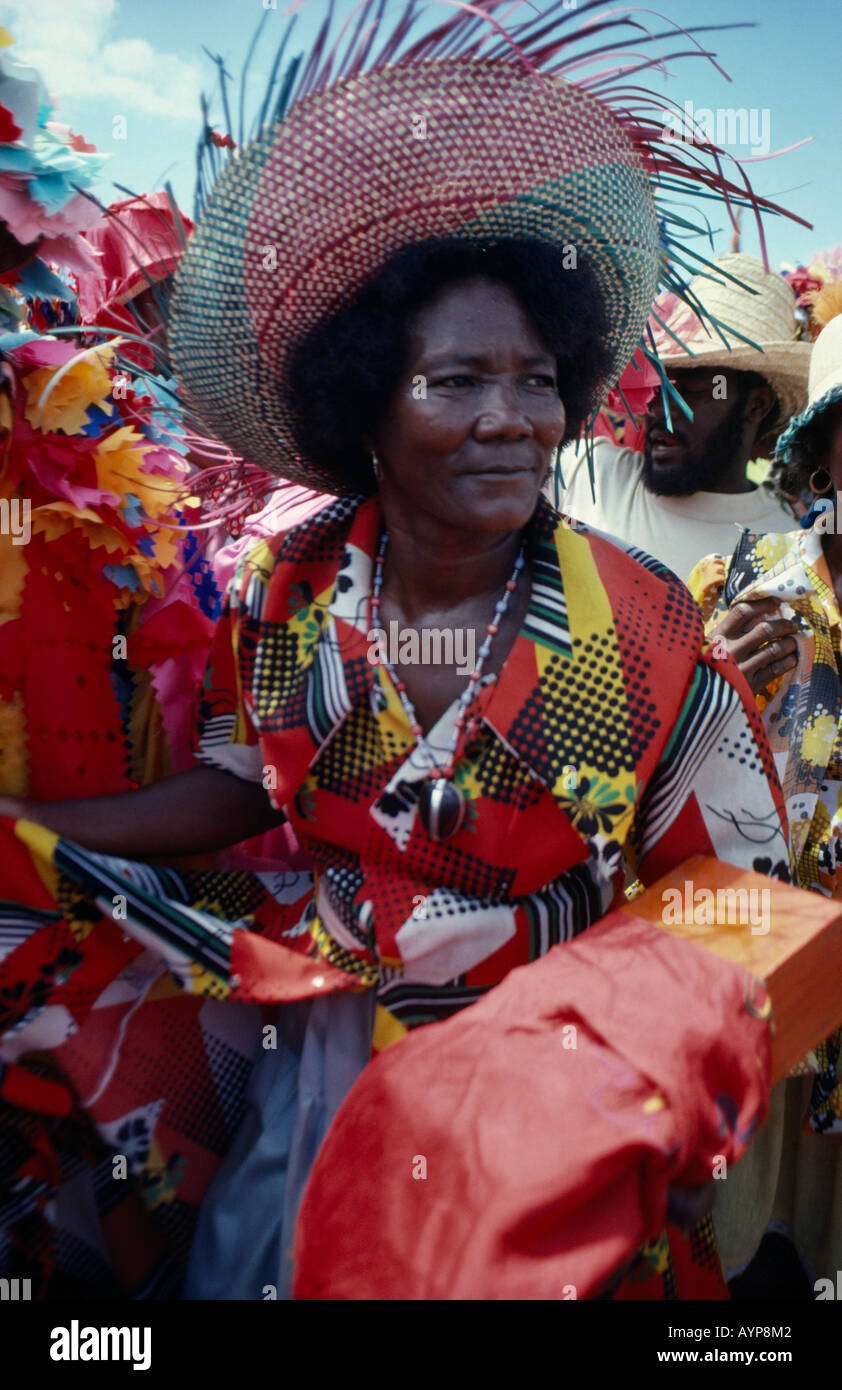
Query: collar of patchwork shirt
(545, 624)
(538, 708)
(540, 675)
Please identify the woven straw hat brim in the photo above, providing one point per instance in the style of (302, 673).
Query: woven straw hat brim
(825, 384)
(303, 217)
(784, 365)
(797, 426)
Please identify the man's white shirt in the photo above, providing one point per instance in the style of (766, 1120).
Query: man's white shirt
(678, 531)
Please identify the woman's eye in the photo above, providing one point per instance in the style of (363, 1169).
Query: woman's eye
(462, 379)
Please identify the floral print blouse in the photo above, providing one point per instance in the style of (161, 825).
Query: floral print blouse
(802, 714)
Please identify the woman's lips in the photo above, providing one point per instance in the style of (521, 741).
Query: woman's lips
(499, 472)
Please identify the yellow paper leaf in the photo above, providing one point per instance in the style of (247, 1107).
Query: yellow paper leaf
(82, 384)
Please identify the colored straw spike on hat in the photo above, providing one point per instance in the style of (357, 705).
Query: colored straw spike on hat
(475, 131)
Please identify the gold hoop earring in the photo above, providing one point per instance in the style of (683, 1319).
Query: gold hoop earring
(826, 486)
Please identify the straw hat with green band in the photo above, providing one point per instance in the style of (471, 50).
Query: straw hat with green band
(485, 145)
(824, 387)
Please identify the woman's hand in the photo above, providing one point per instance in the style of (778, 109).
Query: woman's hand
(762, 645)
(687, 1206)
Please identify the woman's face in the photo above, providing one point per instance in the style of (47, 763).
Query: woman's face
(470, 432)
(832, 459)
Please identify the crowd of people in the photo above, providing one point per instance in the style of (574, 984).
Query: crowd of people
(272, 891)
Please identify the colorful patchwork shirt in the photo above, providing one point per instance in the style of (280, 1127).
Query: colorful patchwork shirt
(802, 715)
(608, 740)
(611, 741)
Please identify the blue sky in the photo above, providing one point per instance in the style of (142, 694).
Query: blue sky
(142, 61)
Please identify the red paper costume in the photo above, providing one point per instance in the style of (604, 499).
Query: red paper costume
(539, 1162)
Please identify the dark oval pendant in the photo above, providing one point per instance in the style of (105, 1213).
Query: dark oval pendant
(441, 807)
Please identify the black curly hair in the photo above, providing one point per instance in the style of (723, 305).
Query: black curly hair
(807, 451)
(342, 376)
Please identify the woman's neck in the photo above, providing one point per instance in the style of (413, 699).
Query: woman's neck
(433, 568)
(832, 548)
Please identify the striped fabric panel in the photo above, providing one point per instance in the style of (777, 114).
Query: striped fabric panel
(250, 586)
(157, 900)
(218, 730)
(563, 909)
(416, 1003)
(649, 562)
(546, 619)
(328, 701)
(17, 924)
(710, 704)
(217, 747)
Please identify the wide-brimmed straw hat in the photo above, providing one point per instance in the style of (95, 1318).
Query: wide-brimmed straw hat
(455, 137)
(760, 309)
(824, 386)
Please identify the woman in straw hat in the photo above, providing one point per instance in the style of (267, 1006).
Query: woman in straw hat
(409, 290)
(774, 604)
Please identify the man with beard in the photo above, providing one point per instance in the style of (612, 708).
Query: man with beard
(687, 493)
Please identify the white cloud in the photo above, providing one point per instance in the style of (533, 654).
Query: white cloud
(74, 44)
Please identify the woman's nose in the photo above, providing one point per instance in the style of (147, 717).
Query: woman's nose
(502, 413)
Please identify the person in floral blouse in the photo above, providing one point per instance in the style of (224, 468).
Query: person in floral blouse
(774, 606)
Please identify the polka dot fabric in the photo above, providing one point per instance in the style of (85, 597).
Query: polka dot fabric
(553, 775)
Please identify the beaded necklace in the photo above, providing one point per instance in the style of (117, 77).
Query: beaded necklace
(441, 805)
